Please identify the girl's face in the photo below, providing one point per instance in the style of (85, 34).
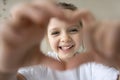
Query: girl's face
(64, 38)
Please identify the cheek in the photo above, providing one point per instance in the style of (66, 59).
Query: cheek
(53, 43)
(78, 40)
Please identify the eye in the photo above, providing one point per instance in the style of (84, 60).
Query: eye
(55, 33)
(73, 30)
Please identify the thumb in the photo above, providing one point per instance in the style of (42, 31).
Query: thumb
(85, 16)
(88, 22)
(80, 59)
(36, 57)
(52, 63)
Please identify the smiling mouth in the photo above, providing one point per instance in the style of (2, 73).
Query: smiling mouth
(65, 48)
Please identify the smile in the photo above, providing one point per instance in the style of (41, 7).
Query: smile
(67, 47)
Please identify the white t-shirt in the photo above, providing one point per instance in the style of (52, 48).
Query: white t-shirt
(88, 71)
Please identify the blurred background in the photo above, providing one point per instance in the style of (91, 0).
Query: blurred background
(102, 9)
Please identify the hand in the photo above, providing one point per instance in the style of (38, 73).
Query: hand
(88, 20)
(103, 40)
(21, 36)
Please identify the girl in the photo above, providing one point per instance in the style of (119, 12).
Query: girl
(21, 39)
(65, 39)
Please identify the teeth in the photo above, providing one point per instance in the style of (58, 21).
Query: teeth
(66, 47)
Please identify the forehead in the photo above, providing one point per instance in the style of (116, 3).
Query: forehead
(57, 23)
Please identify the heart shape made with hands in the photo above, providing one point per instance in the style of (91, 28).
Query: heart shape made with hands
(21, 38)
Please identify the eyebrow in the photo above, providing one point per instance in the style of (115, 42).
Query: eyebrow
(53, 29)
(77, 25)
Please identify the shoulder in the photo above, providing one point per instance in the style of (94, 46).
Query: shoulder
(100, 71)
(33, 69)
(38, 71)
(33, 72)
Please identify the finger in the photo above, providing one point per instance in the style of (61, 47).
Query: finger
(85, 16)
(52, 63)
(88, 22)
(36, 57)
(80, 59)
(27, 12)
(51, 8)
(108, 42)
(38, 12)
(48, 62)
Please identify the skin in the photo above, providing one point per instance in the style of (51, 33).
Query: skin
(102, 42)
(21, 37)
(100, 38)
(22, 33)
(64, 38)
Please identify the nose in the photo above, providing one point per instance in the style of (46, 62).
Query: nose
(65, 37)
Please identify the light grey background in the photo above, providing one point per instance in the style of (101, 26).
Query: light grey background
(103, 9)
